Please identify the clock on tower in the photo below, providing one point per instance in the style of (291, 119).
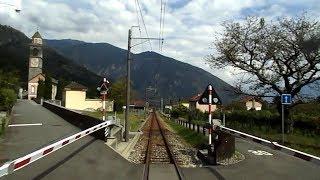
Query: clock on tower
(35, 57)
(34, 62)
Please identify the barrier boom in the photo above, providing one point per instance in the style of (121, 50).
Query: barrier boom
(21, 162)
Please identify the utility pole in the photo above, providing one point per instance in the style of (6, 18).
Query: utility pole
(129, 59)
(126, 126)
(161, 105)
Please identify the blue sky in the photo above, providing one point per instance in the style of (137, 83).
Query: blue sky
(190, 25)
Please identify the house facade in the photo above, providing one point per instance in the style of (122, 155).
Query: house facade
(253, 103)
(193, 104)
(74, 97)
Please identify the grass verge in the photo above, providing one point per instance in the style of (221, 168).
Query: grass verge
(135, 119)
(308, 143)
(193, 138)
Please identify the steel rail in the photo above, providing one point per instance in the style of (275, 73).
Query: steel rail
(148, 152)
(167, 146)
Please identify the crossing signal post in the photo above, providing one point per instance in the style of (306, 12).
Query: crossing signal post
(210, 97)
(104, 88)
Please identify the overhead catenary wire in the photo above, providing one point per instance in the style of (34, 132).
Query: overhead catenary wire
(160, 29)
(138, 19)
(144, 25)
(164, 14)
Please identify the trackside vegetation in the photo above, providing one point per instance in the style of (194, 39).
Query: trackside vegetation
(303, 133)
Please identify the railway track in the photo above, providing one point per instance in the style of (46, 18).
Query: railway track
(158, 148)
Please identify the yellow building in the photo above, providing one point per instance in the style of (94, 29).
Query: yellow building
(185, 104)
(74, 97)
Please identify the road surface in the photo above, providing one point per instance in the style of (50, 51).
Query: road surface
(259, 166)
(86, 158)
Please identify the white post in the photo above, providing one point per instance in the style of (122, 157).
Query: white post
(106, 132)
(104, 107)
(210, 117)
(224, 119)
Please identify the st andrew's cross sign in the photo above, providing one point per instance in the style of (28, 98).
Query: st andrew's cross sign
(104, 86)
(204, 99)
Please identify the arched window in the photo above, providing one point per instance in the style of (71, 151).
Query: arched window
(35, 52)
(32, 89)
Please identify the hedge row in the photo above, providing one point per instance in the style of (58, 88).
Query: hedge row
(301, 122)
(267, 119)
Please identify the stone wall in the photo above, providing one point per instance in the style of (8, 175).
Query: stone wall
(75, 118)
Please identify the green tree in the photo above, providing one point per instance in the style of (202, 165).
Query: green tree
(48, 88)
(41, 89)
(7, 98)
(62, 83)
(9, 79)
(118, 93)
(180, 111)
(9, 83)
(278, 57)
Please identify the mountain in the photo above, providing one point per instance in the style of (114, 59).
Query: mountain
(14, 55)
(173, 79)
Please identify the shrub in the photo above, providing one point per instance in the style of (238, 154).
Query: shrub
(235, 105)
(7, 99)
(197, 115)
(260, 118)
(311, 108)
(167, 111)
(306, 123)
(180, 111)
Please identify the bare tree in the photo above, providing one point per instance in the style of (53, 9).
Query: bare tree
(278, 57)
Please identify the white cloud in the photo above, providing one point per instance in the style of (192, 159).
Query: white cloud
(190, 26)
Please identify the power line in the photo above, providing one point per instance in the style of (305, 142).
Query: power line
(136, 7)
(164, 13)
(144, 25)
(160, 24)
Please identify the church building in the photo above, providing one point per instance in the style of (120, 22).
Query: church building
(35, 68)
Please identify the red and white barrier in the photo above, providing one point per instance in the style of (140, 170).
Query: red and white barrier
(21, 162)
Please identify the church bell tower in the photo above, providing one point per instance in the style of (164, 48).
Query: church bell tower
(35, 65)
(35, 57)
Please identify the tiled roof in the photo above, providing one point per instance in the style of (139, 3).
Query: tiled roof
(36, 76)
(75, 85)
(36, 35)
(250, 98)
(139, 103)
(195, 98)
(54, 81)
